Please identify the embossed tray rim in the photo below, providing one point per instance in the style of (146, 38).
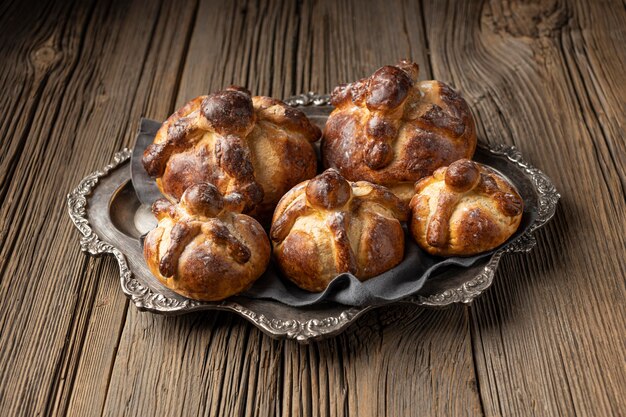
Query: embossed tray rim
(305, 329)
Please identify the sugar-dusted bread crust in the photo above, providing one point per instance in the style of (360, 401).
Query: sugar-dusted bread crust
(327, 225)
(203, 248)
(393, 130)
(463, 210)
(254, 147)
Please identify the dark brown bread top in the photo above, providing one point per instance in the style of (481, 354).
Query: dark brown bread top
(229, 112)
(392, 129)
(388, 88)
(208, 140)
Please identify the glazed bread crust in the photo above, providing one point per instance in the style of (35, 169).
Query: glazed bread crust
(204, 250)
(327, 225)
(251, 148)
(463, 210)
(393, 130)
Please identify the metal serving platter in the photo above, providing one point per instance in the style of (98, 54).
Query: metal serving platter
(109, 217)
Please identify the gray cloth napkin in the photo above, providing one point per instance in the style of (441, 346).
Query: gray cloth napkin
(404, 280)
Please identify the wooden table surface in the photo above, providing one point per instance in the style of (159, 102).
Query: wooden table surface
(549, 338)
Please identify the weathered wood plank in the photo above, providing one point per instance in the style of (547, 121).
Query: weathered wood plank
(549, 337)
(217, 364)
(158, 82)
(37, 64)
(356, 373)
(85, 85)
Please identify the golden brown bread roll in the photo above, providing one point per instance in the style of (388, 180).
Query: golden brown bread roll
(392, 130)
(254, 147)
(327, 225)
(202, 248)
(464, 209)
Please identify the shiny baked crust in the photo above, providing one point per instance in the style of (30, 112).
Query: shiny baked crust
(255, 147)
(463, 210)
(327, 225)
(392, 130)
(203, 249)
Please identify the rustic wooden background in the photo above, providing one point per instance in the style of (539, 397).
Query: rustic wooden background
(549, 338)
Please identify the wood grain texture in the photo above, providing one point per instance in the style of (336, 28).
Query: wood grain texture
(161, 66)
(550, 335)
(547, 339)
(86, 78)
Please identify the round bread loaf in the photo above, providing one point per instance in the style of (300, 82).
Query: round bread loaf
(254, 147)
(464, 209)
(203, 248)
(327, 225)
(393, 130)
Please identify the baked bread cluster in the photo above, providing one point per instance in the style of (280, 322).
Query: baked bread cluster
(251, 148)
(393, 130)
(464, 209)
(203, 248)
(327, 225)
(390, 140)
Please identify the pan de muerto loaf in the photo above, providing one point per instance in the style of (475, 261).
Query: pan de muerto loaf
(255, 148)
(464, 209)
(327, 225)
(203, 248)
(392, 129)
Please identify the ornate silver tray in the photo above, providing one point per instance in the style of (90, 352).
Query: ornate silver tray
(109, 217)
